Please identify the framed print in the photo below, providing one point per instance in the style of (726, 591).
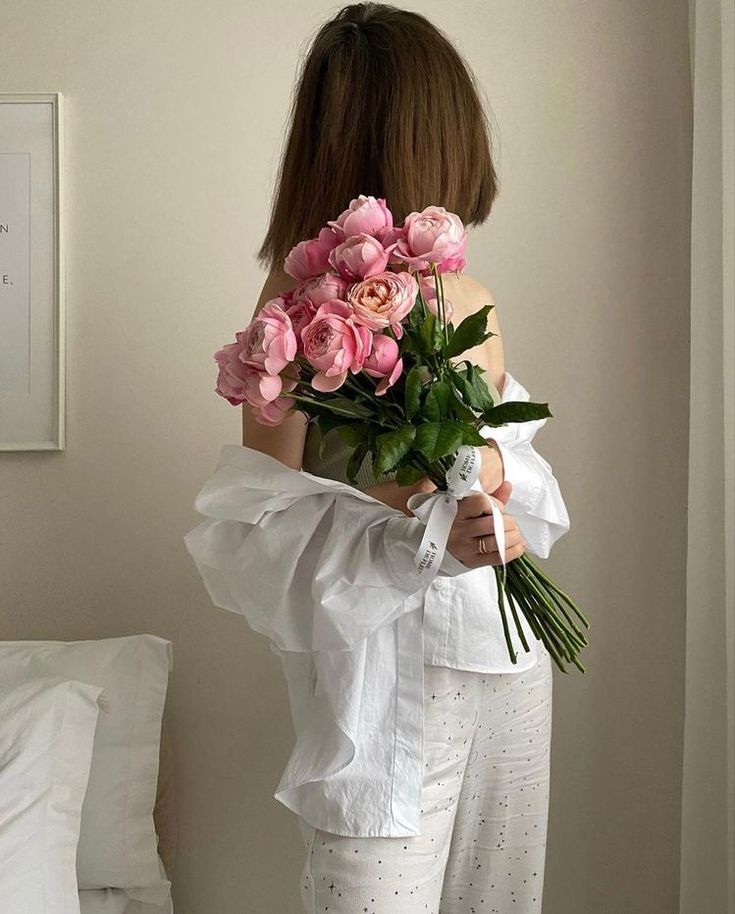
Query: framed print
(31, 273)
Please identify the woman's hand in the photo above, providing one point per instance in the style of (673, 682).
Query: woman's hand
(474, 520)
(474, 515)
(390, 493)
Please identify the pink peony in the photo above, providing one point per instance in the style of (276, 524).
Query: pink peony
(432, 236)
(384, 300)
(335, 344)
(364, 214)
(268, 342)
(232, 375)
(275, 411)
(249, 368)
(359, 256)
(428, 290)
(384, 362)
(301, 313)
(238, 382)
(310, 258)
(320, 289)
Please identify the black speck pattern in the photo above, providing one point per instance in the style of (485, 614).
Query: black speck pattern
(484, 809)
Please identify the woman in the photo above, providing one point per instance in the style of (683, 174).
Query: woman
(386, 106)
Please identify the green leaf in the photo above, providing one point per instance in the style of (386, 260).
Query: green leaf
(353, 432)
(344, 407)
(472, 388)
(412, 343)
(471, 435)
(516, 411)
(459, 408)
(437, 401)
(355, 461)
(413, 391)
(428, 330)
(481, 396)
(416, 315)
(463, 386)
(469, 333)
(438, 439)
(392, 446)
(407, 475)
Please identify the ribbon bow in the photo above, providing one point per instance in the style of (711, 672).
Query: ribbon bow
(437, 511)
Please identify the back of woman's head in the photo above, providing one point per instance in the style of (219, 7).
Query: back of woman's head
(384, 105)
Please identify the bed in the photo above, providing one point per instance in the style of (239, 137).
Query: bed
(87, 813)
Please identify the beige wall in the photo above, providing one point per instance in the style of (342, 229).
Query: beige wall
(174, 116)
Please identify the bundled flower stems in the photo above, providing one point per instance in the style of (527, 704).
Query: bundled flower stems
(364, 346)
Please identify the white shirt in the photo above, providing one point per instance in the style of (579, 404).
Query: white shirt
(326, 573)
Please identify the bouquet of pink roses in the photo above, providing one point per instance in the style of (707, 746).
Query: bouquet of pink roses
(364, 346)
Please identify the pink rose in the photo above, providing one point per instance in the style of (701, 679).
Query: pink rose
(428, 290)
(320, 289)
(364, 214)
(310, 258)
(359, 256)
(384, 300)
(432, 236)
(335, 344)
(384, 362)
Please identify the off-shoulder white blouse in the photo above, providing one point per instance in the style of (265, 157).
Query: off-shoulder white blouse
(327, 574)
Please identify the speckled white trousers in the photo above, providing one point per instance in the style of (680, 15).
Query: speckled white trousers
(484, 809)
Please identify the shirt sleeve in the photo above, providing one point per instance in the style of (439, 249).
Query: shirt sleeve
(536, 500)
(311, 572)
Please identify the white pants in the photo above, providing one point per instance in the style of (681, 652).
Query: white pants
(484, 809)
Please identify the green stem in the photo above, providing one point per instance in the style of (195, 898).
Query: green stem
(439, 283)
(504, 619)
(549, 583)
(548, 597)
(521, 633)
(543, 632)
(529, 568)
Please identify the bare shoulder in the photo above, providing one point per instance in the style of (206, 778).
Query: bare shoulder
(277, 281)
(468, 295)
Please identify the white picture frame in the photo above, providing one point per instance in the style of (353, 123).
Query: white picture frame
(32, 339)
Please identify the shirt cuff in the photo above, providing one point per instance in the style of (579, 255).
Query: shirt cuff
(526, 491)
(401, 542)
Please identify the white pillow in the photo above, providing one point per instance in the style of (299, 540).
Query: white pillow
(117, 901)
(47, 729)
(118, 843)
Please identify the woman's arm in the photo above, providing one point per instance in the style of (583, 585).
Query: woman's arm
(285, 442)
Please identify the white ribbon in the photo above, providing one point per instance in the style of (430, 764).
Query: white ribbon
(437, 510)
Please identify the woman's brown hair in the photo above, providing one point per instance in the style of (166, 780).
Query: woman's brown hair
(384, 105)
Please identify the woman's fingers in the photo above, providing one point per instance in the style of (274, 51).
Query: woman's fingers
(485, 526)
(476, 504)
(515, 546)
(475, 520)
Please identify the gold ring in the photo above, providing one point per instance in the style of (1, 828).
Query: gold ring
(482, 546)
